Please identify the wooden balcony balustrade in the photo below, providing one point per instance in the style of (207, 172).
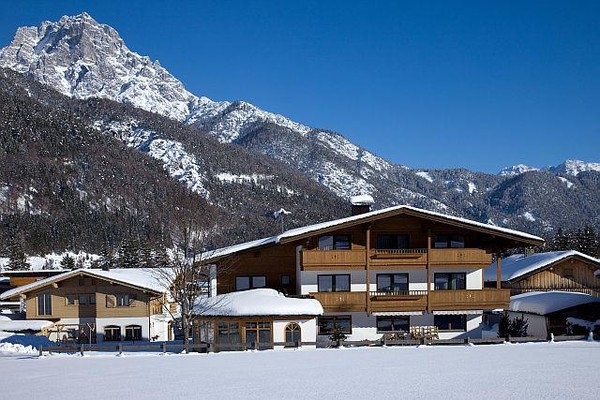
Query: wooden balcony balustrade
(484, 299)
(332, 259)
(393, 258)
(414, 300)
(341, 301)
(406, 300)
(460, 257)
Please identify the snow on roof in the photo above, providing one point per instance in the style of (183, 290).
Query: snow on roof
(518, 265)
(256, 302)
(23, 325)
(144, 278)
(548, 302)
(224, 251)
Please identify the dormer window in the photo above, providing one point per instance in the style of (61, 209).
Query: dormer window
(449, 241)
(334, 242)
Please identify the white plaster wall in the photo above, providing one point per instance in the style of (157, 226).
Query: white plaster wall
(122, 322)
(536, 324)
(308, 329)
(363, 328)
(417, 279)
(309, 280)
(159, 326)
(474, 277)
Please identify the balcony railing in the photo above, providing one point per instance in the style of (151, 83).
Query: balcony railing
(450, 257)
(342, 259)
(414, 300)
(389, 258)
(403, 300)
(341, 301)
(485, 299)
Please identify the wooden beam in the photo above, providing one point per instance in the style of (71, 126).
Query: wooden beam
(498, 271)
(368, 267)
(427, 268)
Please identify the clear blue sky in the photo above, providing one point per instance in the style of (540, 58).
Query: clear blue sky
(428, 84)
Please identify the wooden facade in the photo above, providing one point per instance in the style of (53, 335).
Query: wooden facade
(423, 250)
(572, 274)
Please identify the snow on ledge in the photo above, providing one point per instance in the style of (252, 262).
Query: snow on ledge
(256, 302)
(543, 303)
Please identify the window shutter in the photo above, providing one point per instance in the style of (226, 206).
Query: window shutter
(111, 301)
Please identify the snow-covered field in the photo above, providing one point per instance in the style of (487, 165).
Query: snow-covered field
(565, 370)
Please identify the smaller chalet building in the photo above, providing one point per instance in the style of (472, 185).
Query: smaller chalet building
(400, 270)
(256, 319)
(569, 271)
(557, 312)
(95, 306)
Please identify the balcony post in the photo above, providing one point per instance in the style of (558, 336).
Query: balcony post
(427, 266)
(498, 271)
(368, 267)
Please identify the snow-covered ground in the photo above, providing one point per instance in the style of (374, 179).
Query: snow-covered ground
(566, 370)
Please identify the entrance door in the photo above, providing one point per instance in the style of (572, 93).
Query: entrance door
(258, 335)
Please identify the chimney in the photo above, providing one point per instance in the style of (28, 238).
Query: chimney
(361, 204)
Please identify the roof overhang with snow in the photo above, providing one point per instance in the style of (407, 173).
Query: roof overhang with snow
(256, 302)
(145, 279)
(544, 303)
(518, 237)
(521, 266)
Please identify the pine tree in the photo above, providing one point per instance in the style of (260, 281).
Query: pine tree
(129, 254)
(67, 262)
(16, 258)
(161, 257)
(504, 326)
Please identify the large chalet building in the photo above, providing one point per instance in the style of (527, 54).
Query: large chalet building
(400, 269)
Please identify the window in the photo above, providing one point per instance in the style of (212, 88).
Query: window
(333, 283)
(285, 280)
(92, 298)
(446, 241)
(258, 333)
(393, 324)
(450, 322)
(119, 300)
(329, 323)
(71, 299)
(44, 304)
(133, 332)
(392, 282)
(228, 333)
(334, 242)
(450, 281)
(112, 333)
(392, 241)
(250, 282)
(293, 335)
(83, 299)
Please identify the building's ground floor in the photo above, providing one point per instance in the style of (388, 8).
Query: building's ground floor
(260, 332)
(101, 330)
(358, 326)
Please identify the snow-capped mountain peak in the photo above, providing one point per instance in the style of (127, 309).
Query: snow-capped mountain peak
(516, 170)
(574, 167)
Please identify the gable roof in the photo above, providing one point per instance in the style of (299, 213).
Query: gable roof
(548, 302)
(323, 227)
(520, 265)
(139, 278)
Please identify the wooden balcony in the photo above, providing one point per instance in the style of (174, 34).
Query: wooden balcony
(333, 259)
(459, 257)
(485, 299)
(341, 301)
(398, 258)
(409, 300)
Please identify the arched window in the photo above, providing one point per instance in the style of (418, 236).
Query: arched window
(112, 333)
(293, 336)
(133, 332)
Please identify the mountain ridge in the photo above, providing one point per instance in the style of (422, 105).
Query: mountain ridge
(84, 59)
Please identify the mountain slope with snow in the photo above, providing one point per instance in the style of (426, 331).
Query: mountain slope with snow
(84, 59)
